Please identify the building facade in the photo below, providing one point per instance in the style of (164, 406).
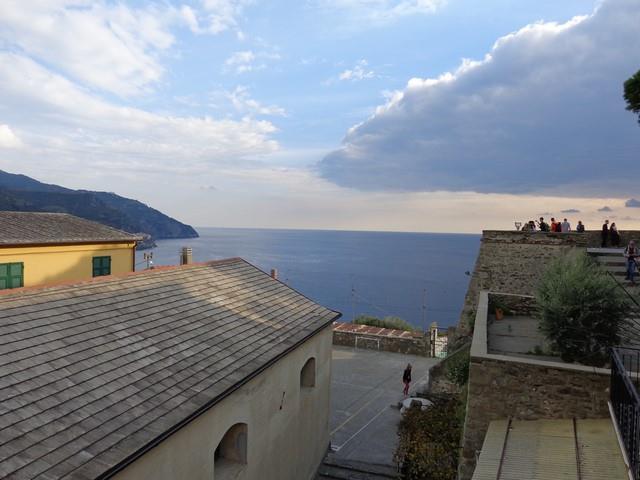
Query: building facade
(49, 248)
(277, 426)
(201, 371)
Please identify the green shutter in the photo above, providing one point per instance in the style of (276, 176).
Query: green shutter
(101, 266)
(11, 275)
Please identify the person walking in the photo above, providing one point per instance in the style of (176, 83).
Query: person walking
(565, 227)
(614, 235)
(580, 227)
(631, 254)
(605, 233)
(406, 379)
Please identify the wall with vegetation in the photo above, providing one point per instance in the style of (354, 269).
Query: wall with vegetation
(384, 339)
(523, 388)
(513, 262)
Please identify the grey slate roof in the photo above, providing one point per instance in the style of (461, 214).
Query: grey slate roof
(31, 228)
(93, 372)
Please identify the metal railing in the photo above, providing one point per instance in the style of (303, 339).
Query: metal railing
(625, 401)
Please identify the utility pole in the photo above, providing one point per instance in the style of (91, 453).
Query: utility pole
(148, 258)
(424, 308)
(353, 302)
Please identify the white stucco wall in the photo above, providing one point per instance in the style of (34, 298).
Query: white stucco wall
(283, 444)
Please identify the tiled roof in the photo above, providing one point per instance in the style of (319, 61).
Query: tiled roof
(376, 331)
(91, 373)
(586, 449)
(35, 228)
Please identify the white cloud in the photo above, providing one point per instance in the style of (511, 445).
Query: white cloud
(359, 72)
(241, 62)
(243, 103)
(8, 139)
(383, 11)
(247, 61)
(222, 15)
(107, 46)
(543, 111)
(74, 129)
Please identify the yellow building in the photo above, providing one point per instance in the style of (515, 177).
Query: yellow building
(50, 248)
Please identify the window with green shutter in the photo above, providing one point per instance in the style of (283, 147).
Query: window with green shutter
(101, 266)
(11, 275)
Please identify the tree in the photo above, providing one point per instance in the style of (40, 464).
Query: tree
(632, 94)
(582, 310)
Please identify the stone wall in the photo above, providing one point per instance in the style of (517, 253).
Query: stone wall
(512, 262)
(385, 339)
(526, 391)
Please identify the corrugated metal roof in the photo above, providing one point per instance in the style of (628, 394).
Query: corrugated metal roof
(91, 373)
(546, 450)
(36, 228)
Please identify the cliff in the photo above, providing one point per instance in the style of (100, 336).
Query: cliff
(22, 193)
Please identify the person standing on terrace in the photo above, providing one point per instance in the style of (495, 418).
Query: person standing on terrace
(614, 235)
(580, 227)
(544, 226)
(565, 227)
(605, 233)
(631, 253)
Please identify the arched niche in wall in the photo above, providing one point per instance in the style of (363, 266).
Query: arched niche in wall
(230, 455)
(308, 374)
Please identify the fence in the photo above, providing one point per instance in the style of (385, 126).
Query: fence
(625, 370)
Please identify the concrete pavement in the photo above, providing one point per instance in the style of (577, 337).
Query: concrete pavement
(364, 386)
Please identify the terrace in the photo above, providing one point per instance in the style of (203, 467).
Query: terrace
(522, 399)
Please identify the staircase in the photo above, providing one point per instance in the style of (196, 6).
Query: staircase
(334, 468)
(614, 262)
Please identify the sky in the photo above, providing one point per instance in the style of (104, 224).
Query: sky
(405, 115)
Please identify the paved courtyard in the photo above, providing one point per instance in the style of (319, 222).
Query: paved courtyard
(365, 387)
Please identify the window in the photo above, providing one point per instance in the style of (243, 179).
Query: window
(231, 453)
(11, 275)
(308, 374)
(101, 266)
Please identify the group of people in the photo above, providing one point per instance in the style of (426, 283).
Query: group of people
(559, 227)
(610, 234)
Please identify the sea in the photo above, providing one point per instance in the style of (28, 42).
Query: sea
(419, 277)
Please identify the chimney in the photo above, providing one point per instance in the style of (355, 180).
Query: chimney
(274, 273)
(186, 256)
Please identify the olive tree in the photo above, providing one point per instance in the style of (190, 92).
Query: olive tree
(632, 93)
(581, 308)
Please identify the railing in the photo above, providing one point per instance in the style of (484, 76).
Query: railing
(633, 322)
(625, 372)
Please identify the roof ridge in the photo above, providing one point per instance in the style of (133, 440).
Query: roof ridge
(60, 286)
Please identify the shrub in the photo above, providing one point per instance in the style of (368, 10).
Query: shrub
(429, 441)
(386, 322)
(581, 308)
(458, 369)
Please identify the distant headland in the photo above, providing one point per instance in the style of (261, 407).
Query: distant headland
(22, 193)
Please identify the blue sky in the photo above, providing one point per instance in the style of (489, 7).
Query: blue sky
(421, 115)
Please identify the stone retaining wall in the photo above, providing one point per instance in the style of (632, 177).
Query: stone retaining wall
(502, 389)
(385, 339)
(513, 262)
(523, 388)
